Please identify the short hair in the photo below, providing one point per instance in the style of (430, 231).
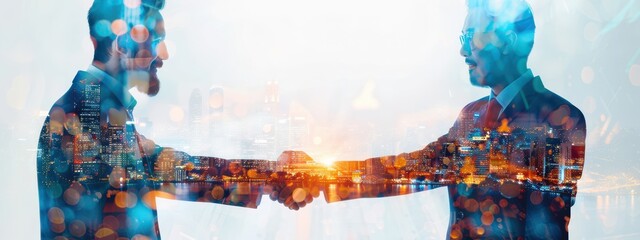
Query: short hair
(103, 12)
(510, 15)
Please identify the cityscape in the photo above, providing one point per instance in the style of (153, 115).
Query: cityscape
(536, 154)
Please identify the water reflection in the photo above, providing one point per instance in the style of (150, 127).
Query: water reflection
(249, 193)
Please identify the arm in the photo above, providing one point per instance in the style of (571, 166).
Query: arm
(181, 176)
(217, 180)
(438, 164)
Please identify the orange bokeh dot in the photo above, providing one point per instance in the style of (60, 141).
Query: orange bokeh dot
(480, 231)
(456, 234)
(484, 205)
(119, 27)
(140, 237)
(139, 33)
(216, 100)
(71, 196)
(503, 203)
(149, 199)
(111, 222)
(106, 233)
(117, 177)
(77, 228)
(217, 193)
(536, 197)
(299, 194)
(487, 218)
(494, 209)
(122, 199)
(557, 204)
(56, 215)
(510, 189)
(57, 228)
(471, 205)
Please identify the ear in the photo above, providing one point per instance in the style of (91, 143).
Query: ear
(510, 41)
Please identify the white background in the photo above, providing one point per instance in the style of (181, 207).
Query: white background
(392, 65)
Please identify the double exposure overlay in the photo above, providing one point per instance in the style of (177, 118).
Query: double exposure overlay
(511, 161)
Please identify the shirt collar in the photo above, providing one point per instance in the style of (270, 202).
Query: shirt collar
(114, 86)
(509, 93)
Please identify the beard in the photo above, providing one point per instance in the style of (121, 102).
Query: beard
(153, 85)
(478, 77)
(142, 75)
(146, 82)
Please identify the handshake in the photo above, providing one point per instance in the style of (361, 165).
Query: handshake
(292, 194)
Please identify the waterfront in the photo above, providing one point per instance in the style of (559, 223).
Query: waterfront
(246, 193)
(603, 215)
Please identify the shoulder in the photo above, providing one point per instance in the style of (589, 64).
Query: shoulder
(80, 89)
(556, 109)
(475, 105)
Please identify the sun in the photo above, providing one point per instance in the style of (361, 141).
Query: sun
(328, 161)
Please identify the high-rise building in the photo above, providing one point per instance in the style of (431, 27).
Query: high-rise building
(216, 100)
(374, 167)
(114, 145)
(89, 109)
(292, 158)
(86, 150)
(552, 160)
(348, 167)
(282, 135)
(180, 173)
(272, 98)
(573, 166)
(298, 132)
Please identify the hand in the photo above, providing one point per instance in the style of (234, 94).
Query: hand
(294, 195)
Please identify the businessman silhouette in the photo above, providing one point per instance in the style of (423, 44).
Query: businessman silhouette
(512, 159)
(97, 176)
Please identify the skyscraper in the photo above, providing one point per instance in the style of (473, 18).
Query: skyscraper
(216, 100)
(88, 123)
(552, 159)
(272, 98)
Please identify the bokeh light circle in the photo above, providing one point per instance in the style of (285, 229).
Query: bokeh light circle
(587, 75)
(119, 27)
(139, 33)
(102, 28)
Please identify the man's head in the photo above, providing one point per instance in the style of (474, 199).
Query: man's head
(497, 38)
(128, 39)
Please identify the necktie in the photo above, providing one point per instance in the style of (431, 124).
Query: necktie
(491, 114)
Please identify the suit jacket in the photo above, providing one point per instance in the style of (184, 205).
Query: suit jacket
(88, 147)
(539, 134)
